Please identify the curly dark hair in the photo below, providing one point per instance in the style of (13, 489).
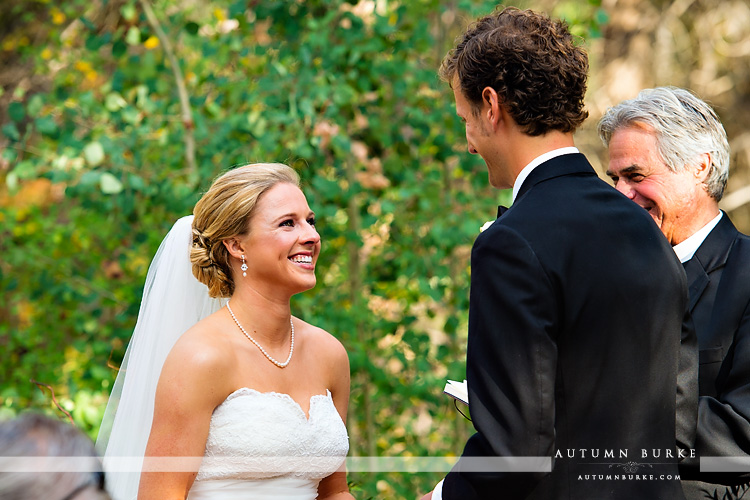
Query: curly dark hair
(531, 61)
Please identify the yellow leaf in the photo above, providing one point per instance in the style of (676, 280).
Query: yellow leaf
(46, 54)
(137, 264)
(57, 16)
(9, 44)
(151, 43)
(83, 66)
(24, 313)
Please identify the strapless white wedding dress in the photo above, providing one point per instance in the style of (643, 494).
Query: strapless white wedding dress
(261, 445)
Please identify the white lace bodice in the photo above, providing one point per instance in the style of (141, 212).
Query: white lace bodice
(261, 435)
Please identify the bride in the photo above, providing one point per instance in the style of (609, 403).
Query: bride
(257, 394)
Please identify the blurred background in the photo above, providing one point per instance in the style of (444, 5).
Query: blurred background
(115, 115)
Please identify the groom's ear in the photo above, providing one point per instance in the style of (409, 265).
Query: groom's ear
(492, 106)
(234, 247)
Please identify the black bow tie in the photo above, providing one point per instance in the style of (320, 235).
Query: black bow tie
(501, 210)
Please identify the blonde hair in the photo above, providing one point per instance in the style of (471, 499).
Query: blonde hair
(224, 212)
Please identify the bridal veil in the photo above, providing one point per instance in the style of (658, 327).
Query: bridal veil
(173, 301)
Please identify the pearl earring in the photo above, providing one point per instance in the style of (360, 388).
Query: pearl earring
(243, 266)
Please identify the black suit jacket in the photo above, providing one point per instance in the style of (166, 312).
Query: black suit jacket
(719, 287)
(576, 307)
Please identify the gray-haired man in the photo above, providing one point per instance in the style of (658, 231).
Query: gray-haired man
(668, 152)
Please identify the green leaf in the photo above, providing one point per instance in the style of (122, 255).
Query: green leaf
(89, 178)
(115, 101)
(94, 43)
(93, 153)
(9, 155)
(16, 112)
(601, 17)
(131, 115)
(35, 104)
(86, 22)
(110, 184)
(134, 36)
(26, 169)
(11, 132)
(128, 12)
(136, 182)
(192, 28)
(119, 48)
(280, 68)
(11, 180)
(46, 125)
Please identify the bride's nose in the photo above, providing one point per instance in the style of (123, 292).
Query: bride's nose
(310, 235)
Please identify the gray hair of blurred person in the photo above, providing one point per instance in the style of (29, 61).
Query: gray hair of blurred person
(685, 126)
(33, 453)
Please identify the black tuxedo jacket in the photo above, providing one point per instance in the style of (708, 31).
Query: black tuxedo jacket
(719, 288)
(576, 307)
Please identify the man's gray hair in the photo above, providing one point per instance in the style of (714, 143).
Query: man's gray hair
(38, 459)
(686, 127)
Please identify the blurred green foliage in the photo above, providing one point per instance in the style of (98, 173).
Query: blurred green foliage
(95, 171)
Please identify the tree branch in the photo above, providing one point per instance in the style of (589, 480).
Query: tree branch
(54, 399)
(187, 114)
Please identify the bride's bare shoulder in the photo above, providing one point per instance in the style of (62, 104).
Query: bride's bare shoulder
(205, 349)
(326, 345)
(198, 372)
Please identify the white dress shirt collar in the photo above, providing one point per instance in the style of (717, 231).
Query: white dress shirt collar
(687, 248)
(536, 162)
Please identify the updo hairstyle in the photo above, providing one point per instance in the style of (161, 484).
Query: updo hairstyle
(224, 212)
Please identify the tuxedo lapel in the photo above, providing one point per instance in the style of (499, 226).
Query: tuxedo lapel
(714, 251)
(697, 279)
(733, 279)
(711, 255)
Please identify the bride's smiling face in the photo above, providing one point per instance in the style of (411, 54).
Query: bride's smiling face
(282, 244)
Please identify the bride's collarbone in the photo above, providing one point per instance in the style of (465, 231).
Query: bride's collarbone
(301, 375)
(304, 377)
(306, 357)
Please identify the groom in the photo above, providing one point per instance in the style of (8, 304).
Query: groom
(576, 300)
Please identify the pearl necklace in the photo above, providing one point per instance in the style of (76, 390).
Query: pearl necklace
(270, 358)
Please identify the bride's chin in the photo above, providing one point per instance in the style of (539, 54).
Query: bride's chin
(310, 284)
(303, 285)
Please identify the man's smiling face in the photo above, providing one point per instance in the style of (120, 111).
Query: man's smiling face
(638, 172)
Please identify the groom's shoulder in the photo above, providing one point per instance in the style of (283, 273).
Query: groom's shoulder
(576, 199)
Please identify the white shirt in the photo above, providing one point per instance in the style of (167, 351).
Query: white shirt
(523, 174)
(687, 248)
(437, 493)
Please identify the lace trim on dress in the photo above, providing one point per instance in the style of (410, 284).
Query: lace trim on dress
(243, 391)
(257, 435)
